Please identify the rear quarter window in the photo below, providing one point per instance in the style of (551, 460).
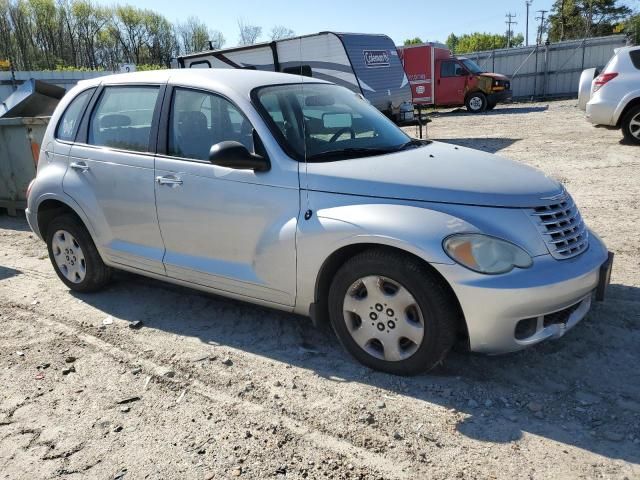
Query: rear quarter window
(635, 58)
(68, 124)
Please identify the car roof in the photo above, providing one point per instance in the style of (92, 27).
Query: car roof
(240, 80)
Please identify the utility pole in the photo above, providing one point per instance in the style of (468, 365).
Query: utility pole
(541, 27)
(526, 38)
(510, 22)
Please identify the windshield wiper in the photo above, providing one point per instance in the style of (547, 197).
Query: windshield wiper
(414, 142)
(350, 153)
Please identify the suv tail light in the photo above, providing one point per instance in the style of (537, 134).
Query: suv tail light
(602, 79)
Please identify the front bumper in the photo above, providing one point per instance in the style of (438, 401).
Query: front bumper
(500, 97)
(493, 305)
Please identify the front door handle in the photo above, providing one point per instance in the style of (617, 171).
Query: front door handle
(169, 180)
(80, 166)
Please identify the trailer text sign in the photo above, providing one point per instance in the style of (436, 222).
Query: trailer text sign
(376, 58)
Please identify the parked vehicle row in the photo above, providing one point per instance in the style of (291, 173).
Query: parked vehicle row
(392, 79)
(612, 97)
(298, 194)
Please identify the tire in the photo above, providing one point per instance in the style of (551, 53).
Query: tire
(631, 125)
(429, 308)
(80, 268)
(476, 102)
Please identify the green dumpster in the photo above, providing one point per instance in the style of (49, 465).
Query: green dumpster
(20, 141)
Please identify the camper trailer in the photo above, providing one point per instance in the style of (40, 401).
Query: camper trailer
(366, 64)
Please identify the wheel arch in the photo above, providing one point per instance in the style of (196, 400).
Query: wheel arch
(52, 207)
(631, 104)
(319, 310)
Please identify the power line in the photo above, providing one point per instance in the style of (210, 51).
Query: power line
(510, 22)
(541, 27)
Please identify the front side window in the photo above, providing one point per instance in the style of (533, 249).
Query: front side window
(320, 122)
(199, 120)
(451, 68)
(68, 124)
(123, 116)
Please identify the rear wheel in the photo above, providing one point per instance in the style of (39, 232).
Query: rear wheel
(476, 102)
(391, 313)
(74, 255)
(631, 125)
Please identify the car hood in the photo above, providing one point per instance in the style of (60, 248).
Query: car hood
(437, 172)
(495, 76)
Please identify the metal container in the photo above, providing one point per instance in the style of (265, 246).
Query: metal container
(20, 140)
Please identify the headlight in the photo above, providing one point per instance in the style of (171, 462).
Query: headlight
(485, 254)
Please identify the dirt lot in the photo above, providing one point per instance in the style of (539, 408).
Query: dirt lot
(212, 388)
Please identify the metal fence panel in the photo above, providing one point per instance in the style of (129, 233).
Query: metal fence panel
(549, 70)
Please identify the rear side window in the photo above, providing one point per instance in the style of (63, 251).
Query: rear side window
(68, 124)
(199, 120)
(122, 118)
(635, 58)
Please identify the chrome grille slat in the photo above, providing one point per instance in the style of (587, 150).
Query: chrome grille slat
(562, 228)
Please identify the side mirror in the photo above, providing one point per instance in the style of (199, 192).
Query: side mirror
(235, 155)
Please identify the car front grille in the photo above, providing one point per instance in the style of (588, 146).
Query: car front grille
(562, 228)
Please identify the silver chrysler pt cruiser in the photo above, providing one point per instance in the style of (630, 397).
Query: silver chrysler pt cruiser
(297, 194)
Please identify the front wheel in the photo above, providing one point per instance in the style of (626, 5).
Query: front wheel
(631, 125)
(476, 102)
(74, 256)
(391, 313)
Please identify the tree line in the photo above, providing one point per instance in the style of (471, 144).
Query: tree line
(568, 20)
(79, 34)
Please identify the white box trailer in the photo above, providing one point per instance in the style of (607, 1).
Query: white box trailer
(365, 63)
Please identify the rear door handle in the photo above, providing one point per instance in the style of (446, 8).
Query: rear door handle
(80, 166)
(169, 180)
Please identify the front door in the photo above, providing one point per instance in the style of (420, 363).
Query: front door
(227, 229)
(111, 176)
(451, 83)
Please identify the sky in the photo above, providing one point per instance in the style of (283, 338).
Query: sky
(428, 19)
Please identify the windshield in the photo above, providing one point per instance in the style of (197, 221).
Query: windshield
(323, 122)
(472, 66)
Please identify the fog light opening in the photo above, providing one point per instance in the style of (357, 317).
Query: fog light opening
(526, 328)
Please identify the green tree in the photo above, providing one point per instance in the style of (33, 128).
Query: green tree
(413, 41)
(452, 42)
(477, 41)
(571, 19)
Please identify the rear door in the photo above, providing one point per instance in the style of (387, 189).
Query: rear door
(111, 174)
(227, 229)
(451, 83)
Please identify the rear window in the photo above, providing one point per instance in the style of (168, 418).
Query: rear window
(68, 124)
(122, 119)
(635, 58)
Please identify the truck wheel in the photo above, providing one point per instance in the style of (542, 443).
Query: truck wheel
(476, 102)
(74, 256)
(391, 313)
(631, 125)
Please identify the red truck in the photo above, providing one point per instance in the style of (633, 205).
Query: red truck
(438, 78)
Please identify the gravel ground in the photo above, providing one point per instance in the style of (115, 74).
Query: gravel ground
(213, 388)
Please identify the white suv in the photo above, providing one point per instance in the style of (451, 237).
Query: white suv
(615, 94)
